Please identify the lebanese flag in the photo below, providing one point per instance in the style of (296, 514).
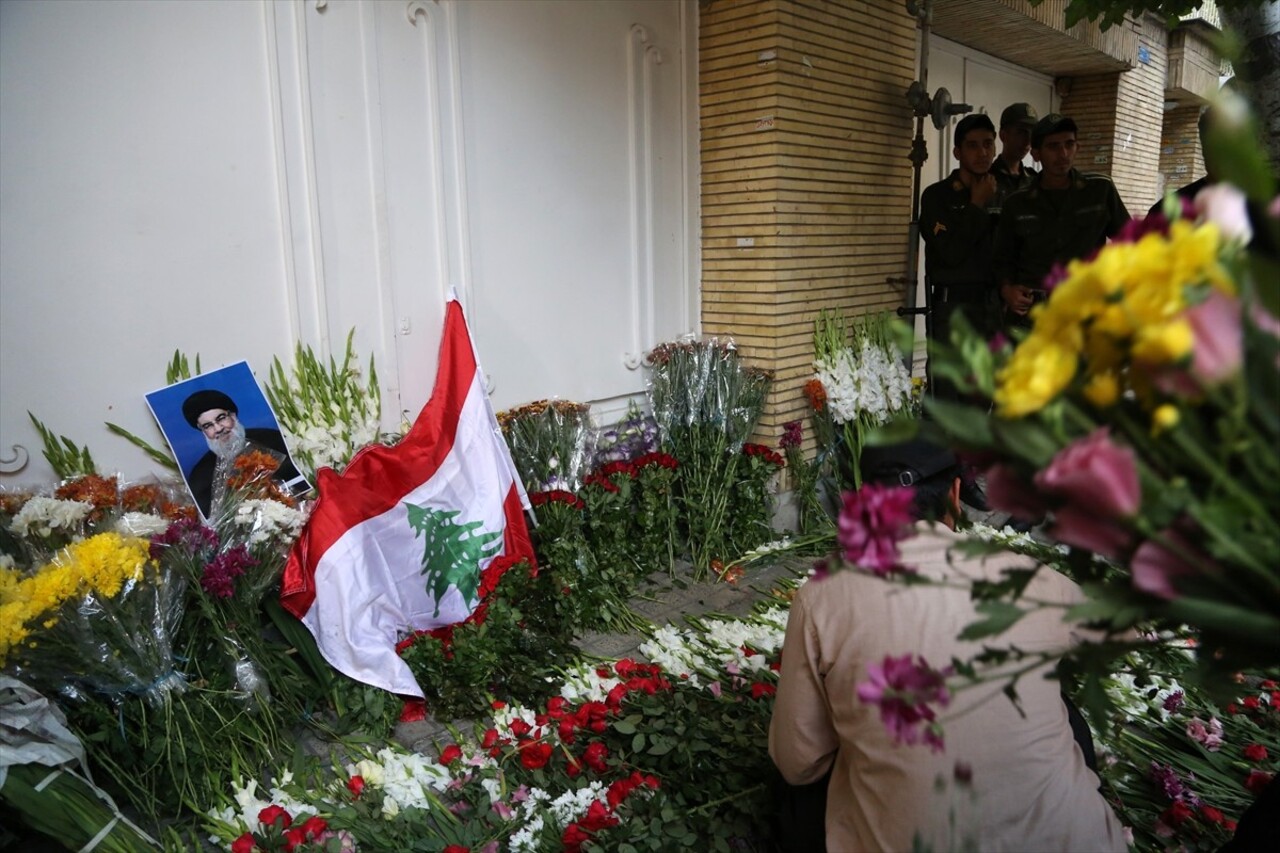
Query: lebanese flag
(412, 537)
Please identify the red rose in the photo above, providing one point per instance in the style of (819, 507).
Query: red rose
(520, 728)
(244, 844)
(1255, 752)
(314, 827)
(573, 838)
(450, 754)
(1211, 814)
(456, 848)
(356, 786)
(272, 815)
(534, 754)
(1229, 825)
(497, 704)
(595, 756)
(1257, 780)
(490, 738)
(1251, 702)
(1176, 814)
(294, 838)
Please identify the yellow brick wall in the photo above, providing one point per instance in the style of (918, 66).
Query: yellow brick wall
(1120, 117)
(1181, 160)
(806, 186)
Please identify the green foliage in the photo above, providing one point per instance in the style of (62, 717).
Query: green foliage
(160, 457)
(64, 457)
(1108, 13)
(179, 368)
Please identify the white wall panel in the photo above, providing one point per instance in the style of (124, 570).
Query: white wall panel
(138, 211)
(229, 179)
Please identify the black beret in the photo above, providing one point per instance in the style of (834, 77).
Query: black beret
(906, 463)
(202, 401)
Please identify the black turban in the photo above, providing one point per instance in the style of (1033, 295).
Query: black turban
(202, 401)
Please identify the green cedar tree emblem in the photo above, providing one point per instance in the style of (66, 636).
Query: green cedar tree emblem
(453, 551)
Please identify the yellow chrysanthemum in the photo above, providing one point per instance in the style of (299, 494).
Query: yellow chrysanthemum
(1102, 389)
(1038, 372)
(1165, 343)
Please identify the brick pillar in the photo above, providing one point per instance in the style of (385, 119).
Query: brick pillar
(806, 186)
(1121, 117)
(1181, 160)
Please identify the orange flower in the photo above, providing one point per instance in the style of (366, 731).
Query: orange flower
(91, 489)
(816, 394)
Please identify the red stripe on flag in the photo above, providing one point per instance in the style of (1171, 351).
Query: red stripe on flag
(378, 477)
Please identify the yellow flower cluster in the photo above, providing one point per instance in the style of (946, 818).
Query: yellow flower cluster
(1126, 306)
(100, 564)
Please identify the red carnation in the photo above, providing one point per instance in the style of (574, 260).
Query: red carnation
(595, 756)
(244, 844)
(450, 754)
(1255, 752)
(759, 689)
(1176, 814)
(1211, 814)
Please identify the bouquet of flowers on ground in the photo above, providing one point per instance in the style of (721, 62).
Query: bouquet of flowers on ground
(862, 384)
(706, 401)
(629, 439)
(609, 493)
(552, 443)
(1180, 768)
(655, 511)
(326, 413)
(751, 516)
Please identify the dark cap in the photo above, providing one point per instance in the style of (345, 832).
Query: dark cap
(1022, 114)
(974, 121)
(1050, 124)
(906, 463)
(202, 401)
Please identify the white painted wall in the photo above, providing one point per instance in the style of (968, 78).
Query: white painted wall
(231, 178)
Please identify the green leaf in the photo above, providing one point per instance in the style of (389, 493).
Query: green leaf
(160, 457)
(968, 425)
(1000, 616)
(638, 742)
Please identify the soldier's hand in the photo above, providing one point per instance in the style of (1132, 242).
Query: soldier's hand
(982, 190)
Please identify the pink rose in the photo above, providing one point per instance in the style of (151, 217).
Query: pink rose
(1157, 563)
(1080, 528)
(1009, 492)
(1096, 474)
(1218, 349)
(1224, 205)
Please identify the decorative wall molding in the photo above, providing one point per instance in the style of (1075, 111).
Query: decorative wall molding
(295, 154)
(642, 55)
(17, 462)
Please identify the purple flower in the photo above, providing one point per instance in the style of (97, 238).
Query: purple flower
(186, 534)
(220, 573)
(1167, 779)
(792, 435)
(904, 689)
(872, 522)
(1173, 702)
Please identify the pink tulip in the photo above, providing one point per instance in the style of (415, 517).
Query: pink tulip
(1094, 475)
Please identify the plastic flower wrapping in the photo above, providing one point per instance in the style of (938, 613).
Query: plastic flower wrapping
(99, 617)
(706, 401)
(552, 443)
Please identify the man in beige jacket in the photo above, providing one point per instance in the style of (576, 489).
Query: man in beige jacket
(1023, 783)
